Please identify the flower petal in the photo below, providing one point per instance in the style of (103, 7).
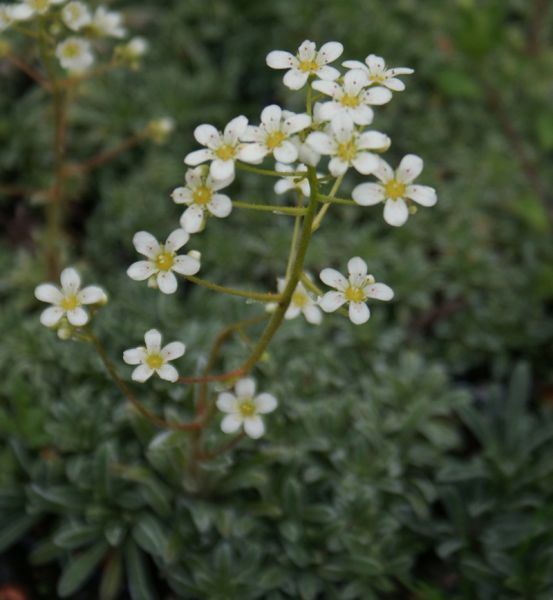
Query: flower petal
(176, 240)
(422, 194)
(146, 244)
(295, 123)
(141, 270)
(362, 114)
(70, 281)
(254, 427)
(354, 64)
(134, 356)
(409, 168)
(265, 403)
(367, 194)
(192, 219)
(51, 316)
(380, 291)
(396, 212)
(359, 313)
(354, 81)
(377, 95)
(365, 162)
(374, 140)
(329, 52)
(47, 292)
(329, 88)
(91, 295)
(234, 129)
(384, 172)
(173, 350)
(375, 63)
(337, 166)
(357, 267)
(295, 79)
(332, 301)
(222, 169)
(271, 116)
(152, 338)
(253, 153)
(231, 423)
(167, 282)
(168, 372)
(182, 195)
(186, 265)
(142, 373)
(207, 135)
(333, 278)
(394, 84)
(286, 152)
(198, 156)
(279, 59)
(313, 314)
(226, 402)
(77, 317)
(220, 206)
(245, 388)
(320, 142)
(328, 73)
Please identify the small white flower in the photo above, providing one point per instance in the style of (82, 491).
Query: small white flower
(160, 129)
(222, 148)
(69, 300)
(273, 135)
(200, 194)
(355, 290)
(302, 302)
(41, 7)
(292, 183)
(152, 358)
(348, 147)
(76, 15)
(377, 73)
(137, 47)
(351, 97)
(6, 16)
(75, 54)
(308, 61)
(244, 408)
(163, 262)
(108, 23)
(396, 190)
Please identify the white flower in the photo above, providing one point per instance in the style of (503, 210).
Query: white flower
(308, 61)
(152, 358)
(244, 408)
(201, 197)
(6, 17)
(75, 54)
(355, 290)
(160, 129)
(69, 300)
(137, 47)
(273, 135)
(396, 190)
(302, 302)
(290, 182)
(222, 148)
(162, 261)
(377, 72)
(348, 147)
(41, 7)
(76, 15)
(108, 23)
(351, 97)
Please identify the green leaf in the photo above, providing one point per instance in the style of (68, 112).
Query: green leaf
(79, 569)
(112, 578)
(140, 585)
(76, 535)
(148, 533)
(15, 529)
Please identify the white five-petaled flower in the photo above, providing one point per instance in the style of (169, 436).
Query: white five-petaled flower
(76, 15)
(244, 408)
(354, 290)
(108, 23)
(273, 135)
(348, 147)
(69, 300)
(308, 61)
(351, 97)
(200, 194)
(302, 302)
(163, 262)
(10, 13)
(152, 358)
(75, 54)
(222, 148)
(292, 182)
(396, 190)
(377, 73)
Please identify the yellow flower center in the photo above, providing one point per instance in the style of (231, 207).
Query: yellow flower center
(308, 66)
(225, 152)
(247, 408)
(299, 299)
(347, 151)
(71, 50)
(202, 195)
(154, 360)
(377, 78)
(164, 260)
(394, 189)
(350, 101)
(70, 302)
(354, 294)
(40, 5)
(274, 139)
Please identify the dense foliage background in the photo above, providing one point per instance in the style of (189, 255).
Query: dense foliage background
(409, 458)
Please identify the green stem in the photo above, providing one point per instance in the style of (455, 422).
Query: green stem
(274, 208)
(295, 236)
(331, 200)
(260, 296)
(246, 167)
(320, 216)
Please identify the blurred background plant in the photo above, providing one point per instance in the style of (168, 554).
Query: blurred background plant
(409, 457)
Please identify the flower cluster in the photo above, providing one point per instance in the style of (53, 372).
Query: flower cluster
(334, 130)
